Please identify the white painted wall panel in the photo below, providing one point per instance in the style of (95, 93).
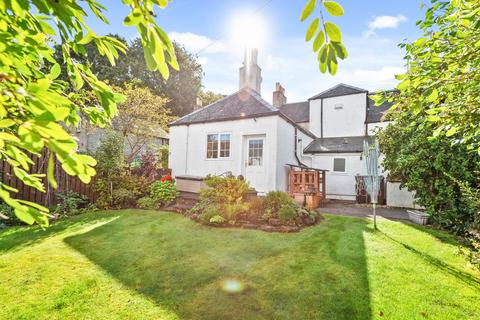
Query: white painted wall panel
(197, 164)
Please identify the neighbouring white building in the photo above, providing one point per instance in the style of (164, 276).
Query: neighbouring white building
(245, 135)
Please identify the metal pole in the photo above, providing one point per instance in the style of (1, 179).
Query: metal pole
(375, 215)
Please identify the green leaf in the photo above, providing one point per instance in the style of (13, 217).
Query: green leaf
(319, 40)
(307, 11)
(333, 31)
(333, 8)
(5, 123)
(433, 97)
(55, 71)
(312, 29)
(51, 171)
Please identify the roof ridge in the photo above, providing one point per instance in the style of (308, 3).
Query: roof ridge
(204, 108)
(257, 96)
(335, 87)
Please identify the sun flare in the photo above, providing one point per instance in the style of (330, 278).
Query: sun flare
(248, 30)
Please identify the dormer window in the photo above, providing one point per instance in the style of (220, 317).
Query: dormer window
(338, 106)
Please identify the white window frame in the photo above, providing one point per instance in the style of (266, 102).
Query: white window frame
(333, 166)
(218, 134)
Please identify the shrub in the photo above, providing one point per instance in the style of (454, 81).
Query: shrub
(208, 213)
(164, 191)
(7, 216)
(228, 190)
(275, 200)
(217, 219)
(163, 154)
(69, 203)
(256, 206)
(121, 191)
(231, 210)
(148, 203)
(287, 212)
(161, 193)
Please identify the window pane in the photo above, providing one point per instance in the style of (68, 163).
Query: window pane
(339, 164)
(224, 145)
(255, 152)
(212, 146)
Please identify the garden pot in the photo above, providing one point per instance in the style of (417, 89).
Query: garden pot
(313, 201)
(299, 198)
(418, 217)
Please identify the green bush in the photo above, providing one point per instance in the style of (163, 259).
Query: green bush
(161, 193)
(8, 217)
(287, 212)
(228, 190)
(209, 212)
(69, 203)
(164, 192)
(275, 200)
(148, 203)
(217, 219)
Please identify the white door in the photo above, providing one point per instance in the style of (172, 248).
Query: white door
(255, 162)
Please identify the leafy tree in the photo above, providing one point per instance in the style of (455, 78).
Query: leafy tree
(182, 87)
(140, 118)
(442, 84)
(209, 97)
(429, 166)
(326, 35)
(34, 103)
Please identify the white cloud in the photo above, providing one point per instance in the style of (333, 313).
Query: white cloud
(196, 43)
(292, 63)
(384, 22)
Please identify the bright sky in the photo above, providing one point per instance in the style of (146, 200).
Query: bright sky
(371, 31)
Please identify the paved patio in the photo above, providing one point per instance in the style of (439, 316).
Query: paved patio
(347, 208)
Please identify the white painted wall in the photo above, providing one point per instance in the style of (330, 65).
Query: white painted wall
(340, 185)
(374, 127)
(188, 156)
(345, 121)
(315, 115)
(286, 151)
(397, 197)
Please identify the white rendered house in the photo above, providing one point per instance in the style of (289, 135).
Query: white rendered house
(245, 135)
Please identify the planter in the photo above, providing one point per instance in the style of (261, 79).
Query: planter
(299, 198)
(313, 201)
(418, 217)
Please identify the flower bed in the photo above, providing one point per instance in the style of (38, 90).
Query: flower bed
(225, 204)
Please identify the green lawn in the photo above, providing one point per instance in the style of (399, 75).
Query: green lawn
(135, 264)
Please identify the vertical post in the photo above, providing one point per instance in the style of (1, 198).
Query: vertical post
(375, 216)
(324, 193)
(291, 187)
(303, 180)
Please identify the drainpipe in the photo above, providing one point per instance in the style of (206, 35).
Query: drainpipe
(295, 148)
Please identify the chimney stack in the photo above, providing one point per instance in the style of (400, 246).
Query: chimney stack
(250, 72)
(279, 98)
(198, 104)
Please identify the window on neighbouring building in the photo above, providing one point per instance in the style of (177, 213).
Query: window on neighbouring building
(218, 145)
(339, 165)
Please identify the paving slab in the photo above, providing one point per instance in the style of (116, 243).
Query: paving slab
(352, 209)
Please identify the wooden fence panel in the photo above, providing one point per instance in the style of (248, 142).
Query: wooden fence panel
(47, 198)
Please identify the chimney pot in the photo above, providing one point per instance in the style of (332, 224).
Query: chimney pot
(279, 98)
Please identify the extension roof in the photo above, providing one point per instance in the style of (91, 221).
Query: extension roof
(297, 111)
(337, 145)
(338, 90)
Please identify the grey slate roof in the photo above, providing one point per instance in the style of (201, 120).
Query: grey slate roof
(242, 104)
(338, 90)
(336, 145)
(297, 111)
(374, 113)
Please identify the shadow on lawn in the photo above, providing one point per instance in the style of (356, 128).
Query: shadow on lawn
(319, 273)
(16, 238)
(445, 267)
